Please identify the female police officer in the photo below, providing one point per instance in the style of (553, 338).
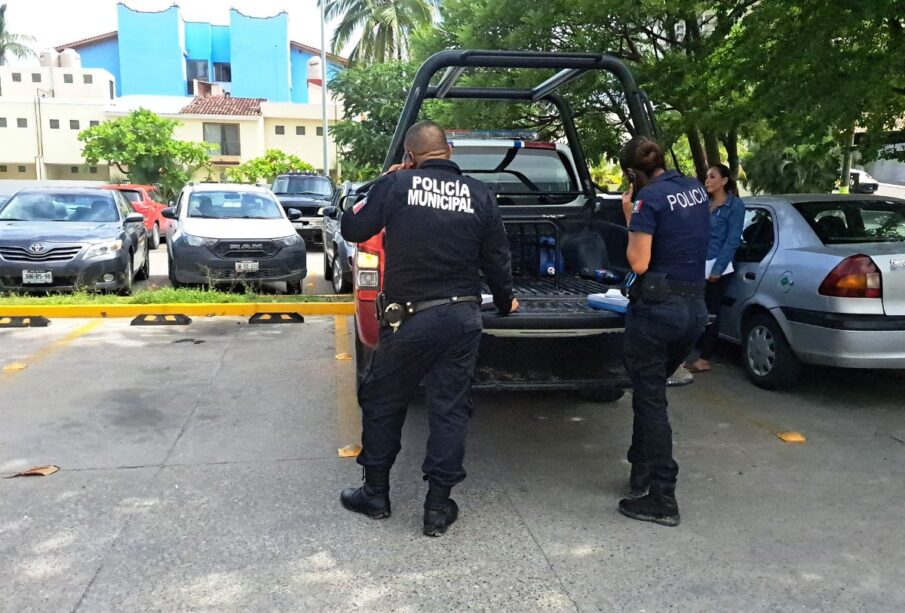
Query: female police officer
(669, 225)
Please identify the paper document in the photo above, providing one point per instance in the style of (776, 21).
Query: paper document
(708, 266)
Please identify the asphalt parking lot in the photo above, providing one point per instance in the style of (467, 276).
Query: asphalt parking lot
(199, 471)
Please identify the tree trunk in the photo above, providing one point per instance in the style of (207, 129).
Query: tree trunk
(847, 161)
(697, 152)
(731, 144)
(712, 148)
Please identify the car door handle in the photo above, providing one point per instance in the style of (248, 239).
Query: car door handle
(750, 276)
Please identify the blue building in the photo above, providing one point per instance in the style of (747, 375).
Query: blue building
(158, 53)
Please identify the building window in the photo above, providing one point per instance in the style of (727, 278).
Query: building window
(3, 168)
(74, 170)
(21, 168)
(17, 77)
(2, 122)
(88, 79)
(223, 72)
(225, 136)
(320, 130)
(280, 130)
(93, 170)
(36, 77)
(73, 124)
(195, 70)
(300, 130)
(67, 78)
(93, 123)
(22, 122)
(54, 124)
(112, 92)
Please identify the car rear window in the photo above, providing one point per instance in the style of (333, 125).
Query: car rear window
(855, 221)
(58, 206)
(303, 185)
(521, 174)
(131, 195)
(233, 205)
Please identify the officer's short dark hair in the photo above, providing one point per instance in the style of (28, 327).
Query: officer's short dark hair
(425, 136)
(642, 153)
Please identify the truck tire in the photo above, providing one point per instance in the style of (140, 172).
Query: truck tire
(328, 267)
(769, 360)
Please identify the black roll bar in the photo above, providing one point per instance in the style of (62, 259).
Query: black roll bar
(570, 66)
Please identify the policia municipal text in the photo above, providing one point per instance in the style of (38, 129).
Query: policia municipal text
(442, 230)
(669, 226)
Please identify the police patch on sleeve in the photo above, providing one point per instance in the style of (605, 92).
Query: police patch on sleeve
(359, 205)
(636, 207)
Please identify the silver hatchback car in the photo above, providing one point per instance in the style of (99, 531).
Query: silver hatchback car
(819, 279)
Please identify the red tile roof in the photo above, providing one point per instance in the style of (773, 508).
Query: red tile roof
(88, 41)
(223, 105)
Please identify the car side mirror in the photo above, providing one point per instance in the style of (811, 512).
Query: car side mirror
(329, 211)
(135, 218)
(293, 214)
(169, 212)
(349, 200)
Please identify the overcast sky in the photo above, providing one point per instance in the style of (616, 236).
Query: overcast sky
(56, 22)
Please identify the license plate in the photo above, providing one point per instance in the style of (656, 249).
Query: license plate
(37, 277)
(246, 267)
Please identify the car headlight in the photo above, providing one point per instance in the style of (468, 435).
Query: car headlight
(289, 241)
(105, 248)
(198, 241)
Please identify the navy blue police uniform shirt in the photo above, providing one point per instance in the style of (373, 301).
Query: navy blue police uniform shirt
(675, 210)
(442, 230)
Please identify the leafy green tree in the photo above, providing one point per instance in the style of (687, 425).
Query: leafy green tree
(776, 169)
(383, 27)
(267, 167)
(141, 146)
(15, 45)
(372, 99)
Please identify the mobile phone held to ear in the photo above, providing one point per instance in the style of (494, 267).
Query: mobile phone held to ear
(633, 181)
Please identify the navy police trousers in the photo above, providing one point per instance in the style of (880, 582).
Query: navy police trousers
(440, 347)
(658, 337)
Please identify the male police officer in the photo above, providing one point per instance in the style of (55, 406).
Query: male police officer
(669, 226)
(442, 229)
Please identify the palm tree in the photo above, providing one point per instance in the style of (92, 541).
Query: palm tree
(382, 26)
(12, 44)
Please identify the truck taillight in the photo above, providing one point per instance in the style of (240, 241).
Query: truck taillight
(368, 280)
(856, 276)
(370, 261)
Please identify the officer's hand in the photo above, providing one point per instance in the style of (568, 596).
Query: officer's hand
(514, 305)
(713, 278)
(628, 202)
(396, 167)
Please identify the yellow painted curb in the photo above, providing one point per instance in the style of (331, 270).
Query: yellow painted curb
(246, 309)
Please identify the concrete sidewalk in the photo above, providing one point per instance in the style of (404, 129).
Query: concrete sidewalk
(200, 472)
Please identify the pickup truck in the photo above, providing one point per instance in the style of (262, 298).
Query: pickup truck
(558, 225)
(307, 193)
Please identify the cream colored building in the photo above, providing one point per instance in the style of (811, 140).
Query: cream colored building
(43, 109)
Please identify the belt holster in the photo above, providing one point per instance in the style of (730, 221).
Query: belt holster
(389, 314)
(651, 287)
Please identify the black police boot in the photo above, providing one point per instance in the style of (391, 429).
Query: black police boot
(372, 498)
(659, 506)
(638, 481)
(440, 511)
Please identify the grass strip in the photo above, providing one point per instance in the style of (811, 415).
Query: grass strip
(164, 295)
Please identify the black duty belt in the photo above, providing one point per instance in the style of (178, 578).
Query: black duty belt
(392, 313)
(416, 307)
(686, 289)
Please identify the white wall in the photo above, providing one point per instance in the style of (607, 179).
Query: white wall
(52, 82)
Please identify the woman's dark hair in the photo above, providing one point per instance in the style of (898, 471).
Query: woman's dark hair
(724, 171)
(641, 153)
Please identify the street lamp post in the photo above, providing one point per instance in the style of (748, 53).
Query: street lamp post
(324, 83)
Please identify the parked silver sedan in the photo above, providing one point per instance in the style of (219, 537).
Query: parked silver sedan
(819, 279)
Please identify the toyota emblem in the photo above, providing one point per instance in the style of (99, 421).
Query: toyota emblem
(37, 248)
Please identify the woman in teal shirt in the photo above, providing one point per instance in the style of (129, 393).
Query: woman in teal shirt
(727, 216)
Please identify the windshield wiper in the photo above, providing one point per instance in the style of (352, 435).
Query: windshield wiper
(204, 217)
(311, 194)
(13, 219)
